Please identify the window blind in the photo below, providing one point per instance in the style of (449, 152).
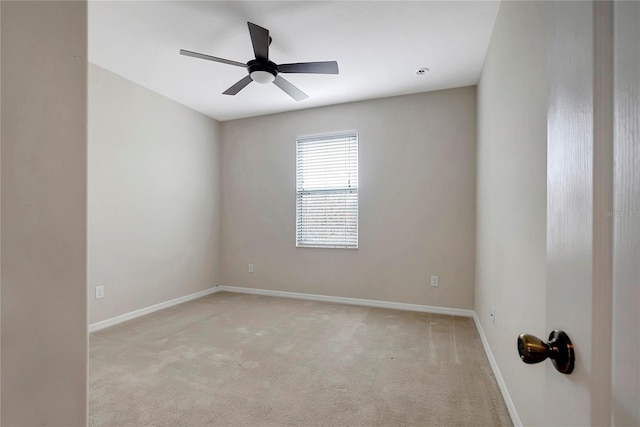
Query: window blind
(327, 191)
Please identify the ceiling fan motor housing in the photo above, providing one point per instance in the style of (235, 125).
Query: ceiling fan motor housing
(261, 67)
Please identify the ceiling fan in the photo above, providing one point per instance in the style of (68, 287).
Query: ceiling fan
(263, 71)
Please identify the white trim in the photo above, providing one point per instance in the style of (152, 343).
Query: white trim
(283, 294)
(351, 301)
(511, 407)
(141, 312)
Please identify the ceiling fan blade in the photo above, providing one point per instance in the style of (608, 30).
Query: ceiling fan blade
(260, 41)
(238, 86)
(211, 58)
(326, 67)
(290, 89)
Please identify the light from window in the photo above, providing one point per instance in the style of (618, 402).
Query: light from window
(327, 191)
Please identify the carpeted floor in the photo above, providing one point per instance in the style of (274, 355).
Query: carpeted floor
(245, 360)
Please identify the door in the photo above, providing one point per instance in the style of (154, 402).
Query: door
(593, 213)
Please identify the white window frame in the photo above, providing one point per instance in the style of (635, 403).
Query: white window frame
(350, 240)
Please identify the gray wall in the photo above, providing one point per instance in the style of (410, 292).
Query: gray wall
(511, 197)
(416, 209)
(44, 305)
(154, 197)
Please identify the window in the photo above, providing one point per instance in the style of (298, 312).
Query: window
(327, 191)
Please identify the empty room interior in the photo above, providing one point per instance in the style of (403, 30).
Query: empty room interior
(421, 213)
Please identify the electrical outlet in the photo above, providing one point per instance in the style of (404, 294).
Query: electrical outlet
(492, 315)
(99, 291)
(434, 280)
(250, 268)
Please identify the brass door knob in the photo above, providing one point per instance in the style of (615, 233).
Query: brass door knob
(559, 349)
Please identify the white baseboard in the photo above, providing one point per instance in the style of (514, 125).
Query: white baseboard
(351, 301)
(496, 372)
(295, 295)
(137, 313)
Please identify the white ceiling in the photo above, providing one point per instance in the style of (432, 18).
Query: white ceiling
(378, 46)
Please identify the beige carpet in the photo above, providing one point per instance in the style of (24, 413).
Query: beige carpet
(244, 360)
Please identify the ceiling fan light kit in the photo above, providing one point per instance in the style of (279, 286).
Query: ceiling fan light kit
(263, 71)
(262, 77)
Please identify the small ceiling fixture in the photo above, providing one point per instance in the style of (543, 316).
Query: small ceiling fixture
(422, 71)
